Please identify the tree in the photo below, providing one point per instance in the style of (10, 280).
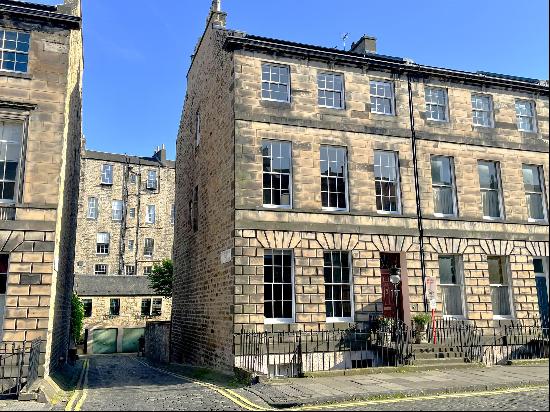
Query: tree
(161, 278)
(77, 318)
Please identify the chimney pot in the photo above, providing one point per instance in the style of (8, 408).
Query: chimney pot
(365, 45)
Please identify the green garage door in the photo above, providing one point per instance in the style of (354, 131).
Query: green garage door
(130, 339)
(105, 341)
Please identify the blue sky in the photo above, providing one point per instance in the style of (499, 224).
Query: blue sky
(137, 52)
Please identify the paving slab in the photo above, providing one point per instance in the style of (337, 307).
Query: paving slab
(310, 391)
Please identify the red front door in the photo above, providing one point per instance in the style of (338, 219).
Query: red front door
(388, 261)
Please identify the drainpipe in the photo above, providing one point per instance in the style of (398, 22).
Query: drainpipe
(417, 192)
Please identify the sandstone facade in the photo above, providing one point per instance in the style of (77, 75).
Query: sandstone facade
(43, 102)
(221, 185)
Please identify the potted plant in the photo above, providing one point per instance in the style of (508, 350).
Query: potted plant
(384, 329)
(421, 322)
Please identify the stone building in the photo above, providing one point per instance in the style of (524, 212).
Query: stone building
(305, 174)
(125, 226)
(40, 141)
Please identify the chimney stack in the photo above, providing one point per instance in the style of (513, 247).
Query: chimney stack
(365, 45)
(216, 15)
(160, 154)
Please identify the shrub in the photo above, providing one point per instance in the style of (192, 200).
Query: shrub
(422, 319)
(77, 318)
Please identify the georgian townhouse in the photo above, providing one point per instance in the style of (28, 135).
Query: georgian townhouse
(41, 69)
(305, 175)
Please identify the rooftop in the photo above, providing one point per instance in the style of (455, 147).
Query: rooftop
(41, 12)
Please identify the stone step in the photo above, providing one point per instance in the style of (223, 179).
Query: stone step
(439, 355)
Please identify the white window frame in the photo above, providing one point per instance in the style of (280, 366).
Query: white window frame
(131, 245)
(157, 299)
(342, 105)
(542, 193)
(93, 208)
(507, 274)
(132, 212)
(377, 96)
(151, 215)
(16, 51)
(431, 103)
(459, 264)
(147, 268)
(290, 175)
(152, 180)
(490, 113)
(453, 187)
(146, 247)
(397, 182)
(106, 267)
(346, 179)
(285, 321)
(107, 174)
(533, 116)
(117, 210)
(110, 306)
(126, 270)
(19, 144)
(108, 237)
(352, 295)
(173, 215)
(270, 82)
(499, 190)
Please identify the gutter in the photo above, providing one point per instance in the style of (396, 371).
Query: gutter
(73, 22)
(382, 62)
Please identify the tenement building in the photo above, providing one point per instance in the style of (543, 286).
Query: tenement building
(125, 226)
(307, 174)
(41, 69)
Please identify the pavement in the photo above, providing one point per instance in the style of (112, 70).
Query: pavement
(320, 390)
(121, 382)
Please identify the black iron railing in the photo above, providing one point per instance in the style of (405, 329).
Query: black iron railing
(19, 367)
(293, 353)
(458, 334)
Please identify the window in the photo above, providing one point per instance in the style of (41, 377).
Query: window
(114, 307)
(278, 286)
(334, 178)
(386, 171)
(87, 303)
(277, 177)
(450, 276)
(146, 307)
(482, 110)
(330, 90)
(103, 241)
(197, 129)
(4, 263)
(14, 51)
(443, 186)
(11, 138)
(107, 175)
(534, 192)
(156, 309)
(149, 247)
(152, 180)
(118, 206)
(381, 98)
(490, 190)
(101, 270)
(275, 83)
(147, 270)
(133, 178)
(436, 104)
(195, 214)
(500, 287)
(133, 213)
(93, 208)
(131, 245)
(525, 113)
(338, 286)
(151, 214)
(130, 270)
(173, 214)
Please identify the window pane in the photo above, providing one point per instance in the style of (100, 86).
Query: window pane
(491, 204)
(337, 284)
(488, 177)
(277, 163)
(535, 206)
(496, 271)
(447, 270)
(278, 287)
(443, 200)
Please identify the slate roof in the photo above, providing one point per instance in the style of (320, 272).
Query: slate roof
(122, 158)
(92, 285)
